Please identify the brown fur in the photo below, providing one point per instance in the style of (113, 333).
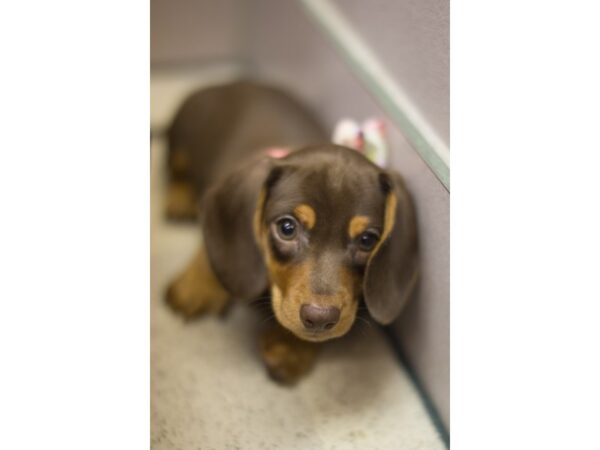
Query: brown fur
(286, 357)
(335, 194)
(290, 287)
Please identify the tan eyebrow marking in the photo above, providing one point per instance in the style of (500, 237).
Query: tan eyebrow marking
(357, 225)
(390, 215)
(306, 215)
(389, 220)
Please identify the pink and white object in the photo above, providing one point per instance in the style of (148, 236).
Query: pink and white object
(277, 152)
(368, 138)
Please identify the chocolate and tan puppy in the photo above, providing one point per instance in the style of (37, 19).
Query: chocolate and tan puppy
(320, 230)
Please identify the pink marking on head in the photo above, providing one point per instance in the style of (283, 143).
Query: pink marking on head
(359, 143)
(277, 152)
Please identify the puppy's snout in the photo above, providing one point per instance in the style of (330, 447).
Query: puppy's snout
(319, 318)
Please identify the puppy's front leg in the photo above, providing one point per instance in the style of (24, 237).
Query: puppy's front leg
(197, 289)
(286, 357)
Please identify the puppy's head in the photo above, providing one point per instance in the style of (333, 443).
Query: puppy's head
(324, 228)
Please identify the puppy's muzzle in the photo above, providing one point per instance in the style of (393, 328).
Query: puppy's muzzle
(319, 318)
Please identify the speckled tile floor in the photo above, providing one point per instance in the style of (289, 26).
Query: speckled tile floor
(209, 390)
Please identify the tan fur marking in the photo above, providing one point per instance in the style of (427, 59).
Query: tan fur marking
(291, 285)
(351, 282)
(197, 289)
(180, 161)
(291, 289)
(257, 220)
(389, 219)
(357, 225)
(306, 215)
(181, 200)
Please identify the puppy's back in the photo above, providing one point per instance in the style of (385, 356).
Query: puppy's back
(218, 127)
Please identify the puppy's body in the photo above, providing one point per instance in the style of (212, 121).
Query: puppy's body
(222, 126)
(320, 229)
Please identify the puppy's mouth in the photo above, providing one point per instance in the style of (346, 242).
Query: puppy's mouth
(314, 323)
(314, 336)
(311, 336)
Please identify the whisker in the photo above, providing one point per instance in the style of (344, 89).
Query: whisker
(262, 302)
(363, 320)
(272, 316)
(265, 308)
(360, 329)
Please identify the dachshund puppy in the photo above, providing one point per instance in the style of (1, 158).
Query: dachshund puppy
(321, 229)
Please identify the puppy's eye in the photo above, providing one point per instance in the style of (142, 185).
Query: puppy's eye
(367, 240)
(287, 228)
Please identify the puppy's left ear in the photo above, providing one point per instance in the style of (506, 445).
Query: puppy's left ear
(229, 210)
(392, 269)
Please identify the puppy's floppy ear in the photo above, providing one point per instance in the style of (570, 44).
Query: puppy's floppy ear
(392, 269)
(228, 214)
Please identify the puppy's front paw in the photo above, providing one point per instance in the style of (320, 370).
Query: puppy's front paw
(190, 302)
(286, 357)
(197, 290)
(181, 301)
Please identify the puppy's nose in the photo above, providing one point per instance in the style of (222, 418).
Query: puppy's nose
(319, 318)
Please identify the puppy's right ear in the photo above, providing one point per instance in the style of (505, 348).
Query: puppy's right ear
(228, 213)
(393, 267)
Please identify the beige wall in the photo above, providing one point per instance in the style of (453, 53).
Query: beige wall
(411, 37)
(192, 31)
